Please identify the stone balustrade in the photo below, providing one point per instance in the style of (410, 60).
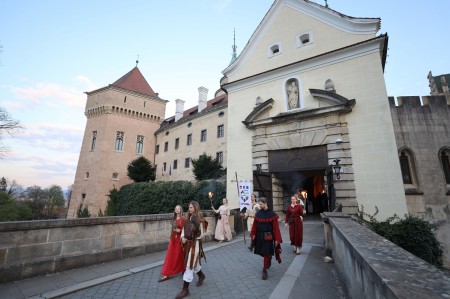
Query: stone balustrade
(374, 267)
(31, 248)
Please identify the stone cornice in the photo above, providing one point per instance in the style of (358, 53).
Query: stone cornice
(342, 106)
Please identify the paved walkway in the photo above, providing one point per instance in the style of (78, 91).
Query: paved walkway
(232, 271)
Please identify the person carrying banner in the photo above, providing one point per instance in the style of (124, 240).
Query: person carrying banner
(294, 218)
(194, 229)
(266, 234)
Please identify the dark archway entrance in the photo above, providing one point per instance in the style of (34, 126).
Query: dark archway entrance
(302, 168)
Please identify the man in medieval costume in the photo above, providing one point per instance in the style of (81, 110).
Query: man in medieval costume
(266, 235)
(194, 229)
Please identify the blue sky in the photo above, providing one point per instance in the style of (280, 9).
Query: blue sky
(54, 51)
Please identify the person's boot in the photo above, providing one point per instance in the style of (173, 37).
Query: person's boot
(252, 243)
(184, 292)
(298, 250)
(201, 277)
(264, 274)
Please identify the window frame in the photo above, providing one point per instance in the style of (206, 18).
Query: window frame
(120, 140)
(221, 131)
(203, 135)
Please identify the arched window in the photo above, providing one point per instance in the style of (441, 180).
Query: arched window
(409, 173)
(274, 49)
(406, 170)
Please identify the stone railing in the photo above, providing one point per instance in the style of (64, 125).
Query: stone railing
(31, 248)
(374, 267)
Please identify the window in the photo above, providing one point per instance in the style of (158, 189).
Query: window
(274, 49)
(187, 162)
(220, 131)
(94, 139)
(221, 114)
(189, 139)
(119, 141)
(177, 143)
(203, 136)
(87, 175)
(115, 176)
(446, 165)
(83, 196)
(164, 167)
(157, 149)
(409, 174)
(139, 144)
(406, 171)
(304, 39)
(189, 125)
(219, 157)
(175, 164)
(166, 146)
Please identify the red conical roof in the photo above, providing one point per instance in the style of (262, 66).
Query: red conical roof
(134, 81)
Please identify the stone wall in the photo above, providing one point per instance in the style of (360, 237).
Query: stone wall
(374, 267)
(31, 248)
(421, 128)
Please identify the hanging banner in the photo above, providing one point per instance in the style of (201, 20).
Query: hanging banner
(245, 200)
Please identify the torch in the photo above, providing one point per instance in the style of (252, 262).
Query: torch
(210, 195)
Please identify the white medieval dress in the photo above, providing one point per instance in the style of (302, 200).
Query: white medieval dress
(223, 229)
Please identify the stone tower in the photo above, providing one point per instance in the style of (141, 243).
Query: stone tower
(121, 121)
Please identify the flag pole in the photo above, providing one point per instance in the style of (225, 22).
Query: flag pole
(239, 197)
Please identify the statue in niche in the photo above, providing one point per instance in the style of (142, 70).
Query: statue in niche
(292, 93)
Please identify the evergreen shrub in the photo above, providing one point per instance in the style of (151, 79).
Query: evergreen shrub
(413, 234)
(162, 197)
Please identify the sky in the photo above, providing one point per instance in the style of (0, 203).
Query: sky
(55, 51)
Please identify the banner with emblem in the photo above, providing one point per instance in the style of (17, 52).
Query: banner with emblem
(245, 199)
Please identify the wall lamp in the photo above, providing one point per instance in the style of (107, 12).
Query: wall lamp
(336, 168)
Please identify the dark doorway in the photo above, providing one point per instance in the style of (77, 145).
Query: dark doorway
(311, 183)
(262, 186)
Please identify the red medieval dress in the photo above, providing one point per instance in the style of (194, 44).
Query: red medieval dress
(174, 262)
(293, 218)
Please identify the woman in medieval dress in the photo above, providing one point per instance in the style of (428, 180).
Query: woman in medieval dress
(223, 230)
(294, 219)
(174, 261)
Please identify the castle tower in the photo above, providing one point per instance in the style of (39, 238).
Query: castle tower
(121, 121)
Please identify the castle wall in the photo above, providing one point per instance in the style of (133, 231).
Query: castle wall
(424, 129)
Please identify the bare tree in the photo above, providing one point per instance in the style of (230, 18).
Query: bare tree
(9, 126)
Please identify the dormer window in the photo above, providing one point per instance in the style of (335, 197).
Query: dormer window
(274, 49)
(304, 39)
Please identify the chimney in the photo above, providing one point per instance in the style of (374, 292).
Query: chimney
(179, 109)
(202, 98)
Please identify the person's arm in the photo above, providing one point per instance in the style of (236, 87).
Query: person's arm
(276, 231)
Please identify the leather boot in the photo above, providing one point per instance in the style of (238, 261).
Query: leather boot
(184, 292)
(201, 277)
(264, 274)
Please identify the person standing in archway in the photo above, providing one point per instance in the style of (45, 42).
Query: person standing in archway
(294, 218)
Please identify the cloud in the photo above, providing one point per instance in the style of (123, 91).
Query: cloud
(55, 137)
(51, 94)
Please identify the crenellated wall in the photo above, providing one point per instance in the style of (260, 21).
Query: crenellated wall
(422, 127)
